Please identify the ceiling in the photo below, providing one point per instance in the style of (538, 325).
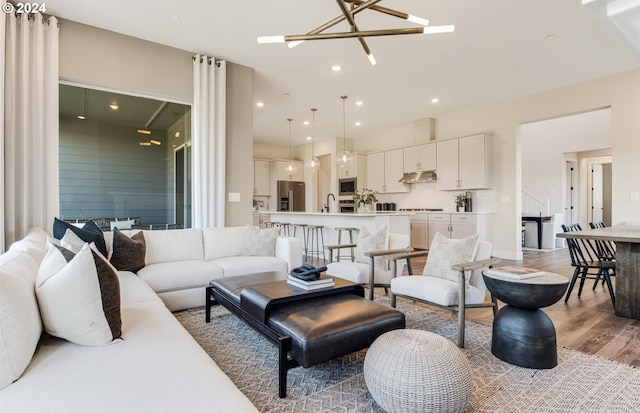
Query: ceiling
(133, 111)
(500, 50)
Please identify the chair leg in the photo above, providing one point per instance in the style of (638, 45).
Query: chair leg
(393, 300)
(607, 278)
(572, 283)
(461, 326)
(595, 283)
(582, 280)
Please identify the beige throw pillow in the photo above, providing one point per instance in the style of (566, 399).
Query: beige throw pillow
(260, 242)
(445, 252)
(376, 241)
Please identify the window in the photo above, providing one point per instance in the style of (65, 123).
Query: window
(124, 157)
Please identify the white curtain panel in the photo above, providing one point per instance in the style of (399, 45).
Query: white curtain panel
(209, 135)
(29, 137)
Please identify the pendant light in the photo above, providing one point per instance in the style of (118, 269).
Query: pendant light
(344, 157)
(291, 168)
(313, 163)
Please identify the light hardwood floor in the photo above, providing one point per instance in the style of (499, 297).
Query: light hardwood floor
(587, 323)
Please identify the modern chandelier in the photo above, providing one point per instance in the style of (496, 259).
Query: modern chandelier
(349, 9)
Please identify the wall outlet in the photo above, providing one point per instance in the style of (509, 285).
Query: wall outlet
(633, 196)
(234, 196)
(505, 198)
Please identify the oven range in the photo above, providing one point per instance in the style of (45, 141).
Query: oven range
(347, 206)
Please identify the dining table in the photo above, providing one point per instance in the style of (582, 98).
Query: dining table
(627, 272)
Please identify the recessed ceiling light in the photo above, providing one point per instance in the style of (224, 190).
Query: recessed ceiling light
(435, 100)
(359, 103)
(309, 138)
(174, 17)
(114, 106)
(357, 123)
(177, 135)
(259, 104)
(82, 117)
(551, 37)
(306, 122)
(336, 68)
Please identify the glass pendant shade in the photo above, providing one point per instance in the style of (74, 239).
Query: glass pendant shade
(291, 168)
(313, 163)
(344, 157)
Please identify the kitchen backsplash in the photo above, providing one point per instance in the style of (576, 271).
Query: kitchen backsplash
(425, 195)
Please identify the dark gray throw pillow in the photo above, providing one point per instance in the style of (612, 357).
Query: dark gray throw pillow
(90, 232)
(128, 253)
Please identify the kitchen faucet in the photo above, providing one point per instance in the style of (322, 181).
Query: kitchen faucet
(334, 200)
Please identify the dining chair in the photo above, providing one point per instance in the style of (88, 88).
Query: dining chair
(585, 261)
(606, 249)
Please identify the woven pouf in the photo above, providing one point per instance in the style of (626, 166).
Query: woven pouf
(417, 371)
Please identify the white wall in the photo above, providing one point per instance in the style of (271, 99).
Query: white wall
(544, 144)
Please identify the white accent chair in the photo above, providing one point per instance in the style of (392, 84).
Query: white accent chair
(367, 273)
(446, 294)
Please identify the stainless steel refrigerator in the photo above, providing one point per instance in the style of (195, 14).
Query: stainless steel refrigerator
(291, 196)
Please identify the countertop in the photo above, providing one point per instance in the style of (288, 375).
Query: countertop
(343, 214)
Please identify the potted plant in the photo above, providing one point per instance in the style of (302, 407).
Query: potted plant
(461, 199)
(365, 198)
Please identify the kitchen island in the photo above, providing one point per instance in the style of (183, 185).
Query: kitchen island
(396, 222)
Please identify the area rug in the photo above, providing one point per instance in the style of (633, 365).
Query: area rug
(580, 382)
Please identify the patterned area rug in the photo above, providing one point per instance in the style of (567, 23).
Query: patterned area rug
(580, 382)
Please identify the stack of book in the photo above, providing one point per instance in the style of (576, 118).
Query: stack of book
(517, 273)
(322, 282)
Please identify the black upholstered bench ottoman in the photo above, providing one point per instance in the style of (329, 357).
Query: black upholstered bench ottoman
(309, 327)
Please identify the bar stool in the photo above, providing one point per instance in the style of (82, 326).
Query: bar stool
(315, 237)
(350, 229)
(272, 224)
(284, 228)
(304, 235)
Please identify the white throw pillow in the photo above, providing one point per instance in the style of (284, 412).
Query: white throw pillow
(79, 296)
(71, 241)
(222, 242)
(20, 325)
(260, 242)
(376, 241)
(445, 252)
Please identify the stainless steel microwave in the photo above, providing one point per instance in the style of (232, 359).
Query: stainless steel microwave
(347, 186)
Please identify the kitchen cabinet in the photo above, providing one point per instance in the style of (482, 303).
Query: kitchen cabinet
(420, 158)
(384, 169)
(460, 225)
(357, 169)
(283, 175)
(261, 178)
(464, 163)
(419, 224)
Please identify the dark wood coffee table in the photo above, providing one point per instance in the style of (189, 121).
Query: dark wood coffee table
(308, 326)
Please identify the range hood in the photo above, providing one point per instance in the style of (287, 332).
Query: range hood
(418, 177)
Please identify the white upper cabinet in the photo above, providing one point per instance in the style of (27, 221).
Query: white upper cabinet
(384, 169)
(261, 178)
(283, 175)
(420, 158)
(464, 163)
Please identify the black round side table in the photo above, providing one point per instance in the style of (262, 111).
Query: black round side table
(522, 333)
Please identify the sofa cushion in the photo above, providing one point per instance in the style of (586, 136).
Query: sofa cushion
(173, 245)
(128, 253)
(20, 325)
(445, 252)
(34, 244)
(260, 242)
(79, 296)
(180, 275)
(250, 265)
(134, 289)
(90, 232)
(223, 241)
(357, 272)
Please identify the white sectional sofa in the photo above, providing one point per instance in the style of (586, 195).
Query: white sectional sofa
(156, 366)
